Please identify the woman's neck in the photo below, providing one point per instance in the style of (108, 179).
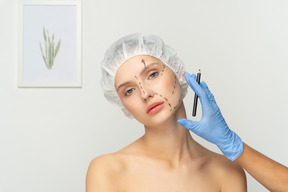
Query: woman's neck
(169, 141)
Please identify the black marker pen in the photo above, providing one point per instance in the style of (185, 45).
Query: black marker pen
(196, 96)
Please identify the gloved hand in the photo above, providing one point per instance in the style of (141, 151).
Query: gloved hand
(212, 125)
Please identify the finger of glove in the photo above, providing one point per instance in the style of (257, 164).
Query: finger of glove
(205, 100)
(191, 80)
(209, 94)
(191, 125)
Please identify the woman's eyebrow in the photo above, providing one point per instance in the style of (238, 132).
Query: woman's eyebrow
(147, 67)
(122, 85)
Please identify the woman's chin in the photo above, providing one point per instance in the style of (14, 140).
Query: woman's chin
(159, 119)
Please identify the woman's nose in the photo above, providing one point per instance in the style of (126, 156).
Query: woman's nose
(146, 93)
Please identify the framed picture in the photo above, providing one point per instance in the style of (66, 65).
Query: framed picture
(49, 52)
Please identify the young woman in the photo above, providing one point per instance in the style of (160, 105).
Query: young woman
(146, 79)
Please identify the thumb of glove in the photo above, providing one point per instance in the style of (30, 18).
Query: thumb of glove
(190, 125)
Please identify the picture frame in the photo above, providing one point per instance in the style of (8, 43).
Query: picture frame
(50, 43)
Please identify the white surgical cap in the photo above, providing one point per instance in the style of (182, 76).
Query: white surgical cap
(130, 46)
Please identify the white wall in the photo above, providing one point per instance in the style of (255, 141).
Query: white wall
(49, 135)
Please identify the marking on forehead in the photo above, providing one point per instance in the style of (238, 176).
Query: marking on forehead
(144, 63)
(147, 67)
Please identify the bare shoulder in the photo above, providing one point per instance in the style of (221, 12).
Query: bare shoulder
(231, 176)
(102, 172)
(105, 172)
(108, 163)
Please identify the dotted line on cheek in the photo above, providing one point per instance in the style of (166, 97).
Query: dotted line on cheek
(170, 107)
(177, 104)
(165, 100)
(174, 85)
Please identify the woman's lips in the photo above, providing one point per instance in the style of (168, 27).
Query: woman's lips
(154, 107)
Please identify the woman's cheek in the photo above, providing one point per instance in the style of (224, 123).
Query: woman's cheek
(127, 105)
(170, 85)
(130, 103)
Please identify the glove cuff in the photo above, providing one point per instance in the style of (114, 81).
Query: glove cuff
(232, 147)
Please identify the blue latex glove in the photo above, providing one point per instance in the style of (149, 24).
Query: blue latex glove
(212, 125)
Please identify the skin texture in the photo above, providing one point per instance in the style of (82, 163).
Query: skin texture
(266, 171)
(165, 158)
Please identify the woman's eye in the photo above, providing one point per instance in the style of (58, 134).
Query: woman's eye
(129, 92)
(152, 75)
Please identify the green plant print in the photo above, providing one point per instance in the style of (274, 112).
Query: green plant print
(50, 49)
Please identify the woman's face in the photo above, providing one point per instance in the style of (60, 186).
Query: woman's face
(148, 89)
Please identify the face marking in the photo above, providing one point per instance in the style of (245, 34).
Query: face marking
(140, 85)
(177, 104)
(144, 63)
(163, 68)
(172, 108)
(166, 100)
(174, 85)
(141, 79)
